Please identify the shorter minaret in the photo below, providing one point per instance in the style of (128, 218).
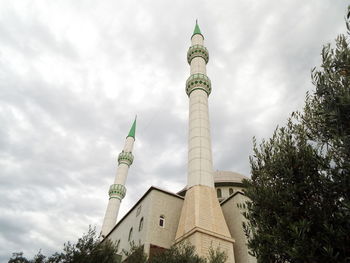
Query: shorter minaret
(117, 190)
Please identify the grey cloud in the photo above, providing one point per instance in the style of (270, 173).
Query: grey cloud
(66, 104)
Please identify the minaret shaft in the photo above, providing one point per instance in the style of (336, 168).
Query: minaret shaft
(111, 216)
(202, 222)
(123, 168)
(197, 66)
(117, 190)
(200, 165)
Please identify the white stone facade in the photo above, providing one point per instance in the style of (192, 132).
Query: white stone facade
(200, 166)
(157, 202)
(202, 221)
(233, 208)
(149, 208)
(208, 211)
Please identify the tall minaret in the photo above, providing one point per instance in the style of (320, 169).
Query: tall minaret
(117, 190)
(201, 222)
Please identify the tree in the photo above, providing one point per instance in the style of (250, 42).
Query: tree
(300, 185)
(17, 257)
(180, 253)
(217, 256)
(136, 254)
(185, 253)
(39, 258)
(88, 249)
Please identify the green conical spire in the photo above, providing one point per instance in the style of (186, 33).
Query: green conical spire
(197, 30)
(132, 130)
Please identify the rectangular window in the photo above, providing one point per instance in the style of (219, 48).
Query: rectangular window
(161, 221)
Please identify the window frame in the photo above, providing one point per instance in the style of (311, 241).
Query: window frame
(130, 234)
(141, 224)
(230, 190)
(161, 221)
(219, 192)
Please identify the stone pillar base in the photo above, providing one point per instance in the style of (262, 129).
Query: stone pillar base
(202, 222)
(205, 240)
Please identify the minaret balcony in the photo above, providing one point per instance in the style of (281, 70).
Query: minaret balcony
(117, 191)
(197, 51)
(198, 81)
(126, 158)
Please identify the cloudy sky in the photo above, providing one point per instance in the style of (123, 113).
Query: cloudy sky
(73, 74)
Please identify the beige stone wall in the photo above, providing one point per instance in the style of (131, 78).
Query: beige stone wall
(202, 222)
(121, 232)
(201, 209)
(156, 203)
(234, 219)
(204, 242)
(170, 208)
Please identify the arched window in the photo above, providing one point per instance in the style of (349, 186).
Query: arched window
(118, 243)
(141, 224)
(161, 221)
(230, 191)
(218, 192)
(130, 234)
(138, 211)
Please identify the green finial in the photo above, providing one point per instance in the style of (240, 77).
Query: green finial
(197, 30)
(132, 130)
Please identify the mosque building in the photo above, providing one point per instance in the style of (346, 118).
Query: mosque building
(207, 212)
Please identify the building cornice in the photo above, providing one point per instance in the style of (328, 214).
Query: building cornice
(204, 231)
(217, 184)
(231, 196)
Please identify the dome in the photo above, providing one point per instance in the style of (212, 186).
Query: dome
(228, 177)
(223, 178)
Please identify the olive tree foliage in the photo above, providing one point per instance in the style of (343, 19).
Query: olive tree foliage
(135, 254)
(181, 253)
(185, 253)
(217, 256)
(88, 249)
(18, 257)
(300, 185)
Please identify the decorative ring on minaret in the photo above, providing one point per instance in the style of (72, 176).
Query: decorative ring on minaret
(197, 51)
(126, 158)
(198, 81)
(117, 191)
